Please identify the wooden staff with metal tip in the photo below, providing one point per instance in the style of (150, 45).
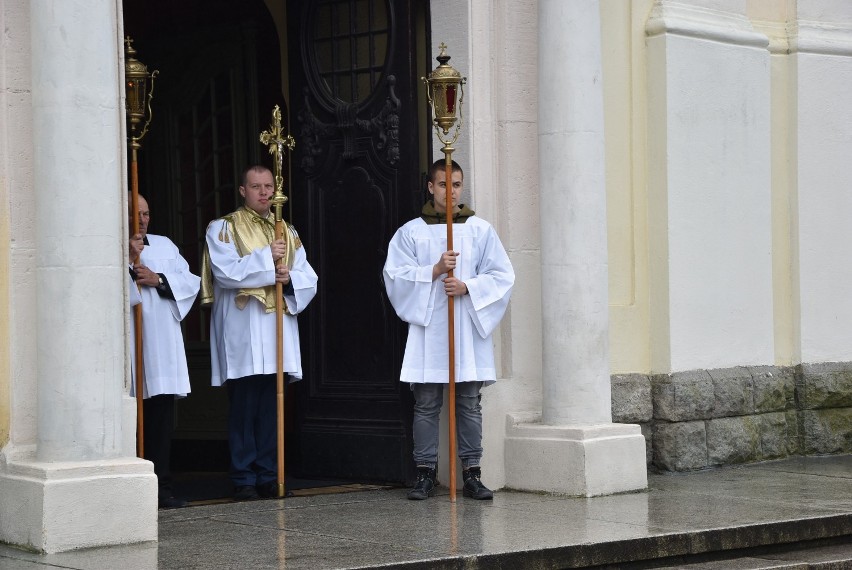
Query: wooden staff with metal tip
(451, 322)
(138, 107)
(139, 379)
(445, 91)
(276, 142)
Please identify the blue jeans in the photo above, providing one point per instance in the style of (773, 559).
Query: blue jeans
(252, 429)
(428, 400)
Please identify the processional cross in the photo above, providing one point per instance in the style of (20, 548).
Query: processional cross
(276, 142)
(274, 139)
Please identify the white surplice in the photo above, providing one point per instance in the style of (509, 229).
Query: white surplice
(243, 341)
(162, 340)
(486, 270)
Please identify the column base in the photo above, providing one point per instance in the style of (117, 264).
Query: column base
(53, 507)
(585, 461)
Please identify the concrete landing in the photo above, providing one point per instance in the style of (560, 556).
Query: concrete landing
(769, 515)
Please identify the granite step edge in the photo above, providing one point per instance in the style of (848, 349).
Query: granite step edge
(635, 550)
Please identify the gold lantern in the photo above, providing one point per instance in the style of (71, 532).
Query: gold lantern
(139, 88)
(445, 91)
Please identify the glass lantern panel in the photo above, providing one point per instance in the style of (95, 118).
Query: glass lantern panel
(451, 99)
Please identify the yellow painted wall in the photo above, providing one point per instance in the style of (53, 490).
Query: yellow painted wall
(770, 17)
(623, 33)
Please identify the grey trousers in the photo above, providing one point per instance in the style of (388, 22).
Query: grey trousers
(428, 400)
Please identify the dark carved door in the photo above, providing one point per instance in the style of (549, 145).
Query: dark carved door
(355, 106)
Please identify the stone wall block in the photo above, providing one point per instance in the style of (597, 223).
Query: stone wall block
(680, 446)
(774, 388)
(631, 398)
(648, 434)
(733, 440)
(733, 392)
(772, 428)
(682, 396)
(825, 385)
(826, 431)
(794, 440)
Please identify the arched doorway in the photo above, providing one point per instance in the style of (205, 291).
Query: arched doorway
(345, 73)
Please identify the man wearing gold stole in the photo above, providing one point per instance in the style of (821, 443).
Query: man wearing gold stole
(239, 272)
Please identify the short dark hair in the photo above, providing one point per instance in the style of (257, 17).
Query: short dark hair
(441, 166)
(252, 168)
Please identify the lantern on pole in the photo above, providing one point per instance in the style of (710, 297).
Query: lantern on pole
(139, 90)
(445, 91)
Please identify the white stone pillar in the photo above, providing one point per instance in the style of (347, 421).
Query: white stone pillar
(78, 231)
(575, 319)
(576, 449)
(79, 490)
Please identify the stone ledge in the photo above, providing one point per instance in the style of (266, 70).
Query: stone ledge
(674, 18)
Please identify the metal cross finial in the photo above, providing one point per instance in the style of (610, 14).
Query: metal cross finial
(274, 139)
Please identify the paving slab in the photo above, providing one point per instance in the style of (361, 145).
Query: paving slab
(709, 513)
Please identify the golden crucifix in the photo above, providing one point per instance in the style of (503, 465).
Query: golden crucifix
(274, 139)
(276, 142)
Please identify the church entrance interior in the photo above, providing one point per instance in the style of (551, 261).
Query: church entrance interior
(345, 74)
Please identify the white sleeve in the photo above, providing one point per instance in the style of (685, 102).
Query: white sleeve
(133, 291)
(230, 271)
(491, 287)
(184, 285)
(408, 284)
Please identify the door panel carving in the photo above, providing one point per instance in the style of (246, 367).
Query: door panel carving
(358, 166)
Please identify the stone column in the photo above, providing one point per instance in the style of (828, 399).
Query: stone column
(575, 447)
(78, 231)
(80, 489)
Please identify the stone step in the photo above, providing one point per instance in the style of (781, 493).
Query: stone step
(816, 543)
(818, 555)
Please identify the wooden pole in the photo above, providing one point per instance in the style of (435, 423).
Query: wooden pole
(451, 328)
(137, 312)
(442, 87)
(279, 370)
(138, 108)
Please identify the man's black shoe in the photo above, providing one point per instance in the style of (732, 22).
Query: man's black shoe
(425, 485)
(170, 503)
(473, 486)
(245, 493)
(269, 490)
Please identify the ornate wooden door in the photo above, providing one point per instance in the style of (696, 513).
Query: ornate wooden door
(355, 107)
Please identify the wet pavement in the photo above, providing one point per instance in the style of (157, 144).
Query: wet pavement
(781, 514)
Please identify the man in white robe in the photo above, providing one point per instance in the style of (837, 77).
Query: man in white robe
(418, 287)
(166, 289)
(239, 280)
